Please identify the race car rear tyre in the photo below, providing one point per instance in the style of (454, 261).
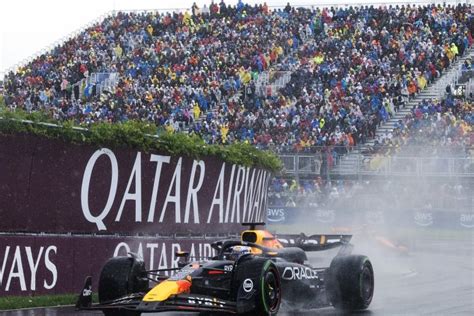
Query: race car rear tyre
(119, 277)
(350, 282)
(265, 279)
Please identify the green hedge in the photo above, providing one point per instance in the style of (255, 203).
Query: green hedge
(136, 135)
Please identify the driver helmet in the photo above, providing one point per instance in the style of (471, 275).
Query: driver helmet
(237, 251)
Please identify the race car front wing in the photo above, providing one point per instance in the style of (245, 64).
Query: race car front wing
(134, 302)
(189, 302)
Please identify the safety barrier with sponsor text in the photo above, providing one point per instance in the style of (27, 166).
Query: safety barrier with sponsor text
(59, 264)
(323, 218)
(54, 187)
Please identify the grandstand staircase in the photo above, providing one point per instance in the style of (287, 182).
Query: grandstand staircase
(350, 164)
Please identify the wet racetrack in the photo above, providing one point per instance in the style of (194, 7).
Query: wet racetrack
(436, 278)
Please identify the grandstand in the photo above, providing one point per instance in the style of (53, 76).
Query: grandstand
(370, 109)
(384, 148)
(312, 84)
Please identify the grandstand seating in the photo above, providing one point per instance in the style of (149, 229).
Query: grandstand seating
(351, 69)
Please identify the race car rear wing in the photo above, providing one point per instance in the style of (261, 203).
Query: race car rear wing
(316, 242)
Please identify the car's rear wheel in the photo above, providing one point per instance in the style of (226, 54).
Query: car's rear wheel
(350, 282)
(119, 277)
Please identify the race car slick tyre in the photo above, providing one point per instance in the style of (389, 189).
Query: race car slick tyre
(265, 282)
(121, 276)
(270, 290)
(350, 282)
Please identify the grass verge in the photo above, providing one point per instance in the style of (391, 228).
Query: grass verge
(16, 302)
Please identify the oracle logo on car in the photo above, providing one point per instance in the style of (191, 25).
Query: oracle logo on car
(423, 219)
(299, 273)
(467, 220)
(325, 216)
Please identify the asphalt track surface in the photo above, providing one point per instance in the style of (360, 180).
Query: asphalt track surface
(436, 278)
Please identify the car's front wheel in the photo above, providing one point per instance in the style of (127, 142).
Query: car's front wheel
(259, 278)
(119, 277)
(270, 290)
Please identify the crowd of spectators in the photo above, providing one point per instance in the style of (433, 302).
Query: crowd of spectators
(172, 66)
(434, 128)
(352, 68)
(361, 67)
(399, 194)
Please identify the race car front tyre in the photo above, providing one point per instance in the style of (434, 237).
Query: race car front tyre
(269, 290)
(261, 276)
(350, 282)
(119, 277)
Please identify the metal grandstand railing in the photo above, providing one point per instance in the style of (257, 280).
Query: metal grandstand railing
(310, 165)
(409, 160)
(470, 88)
(453, 78)
(270, 82)
(416, 166)
(302, 164)
(103, 81)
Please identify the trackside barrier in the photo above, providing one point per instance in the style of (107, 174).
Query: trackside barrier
(65, 209)
(58, 264)
(323, 219)
(56, 187)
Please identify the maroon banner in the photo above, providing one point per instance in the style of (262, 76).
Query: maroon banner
(59, 264)
(52, 186)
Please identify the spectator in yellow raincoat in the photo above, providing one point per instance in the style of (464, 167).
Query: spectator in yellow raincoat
(421, 82)
(293, 186)
(224, 132)
(118, 51)
(449, 53)
(149, 29)
(454, 49)
(322, 121)
(245, 76)
(279, 50)
(196, 111)
(187, 19)
(169, 128)
(318, 59)
(155, 81)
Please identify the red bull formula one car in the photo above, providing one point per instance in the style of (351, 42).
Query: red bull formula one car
(257, 274)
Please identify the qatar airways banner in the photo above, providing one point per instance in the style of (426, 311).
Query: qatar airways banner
(51, 186)
(59, 264)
